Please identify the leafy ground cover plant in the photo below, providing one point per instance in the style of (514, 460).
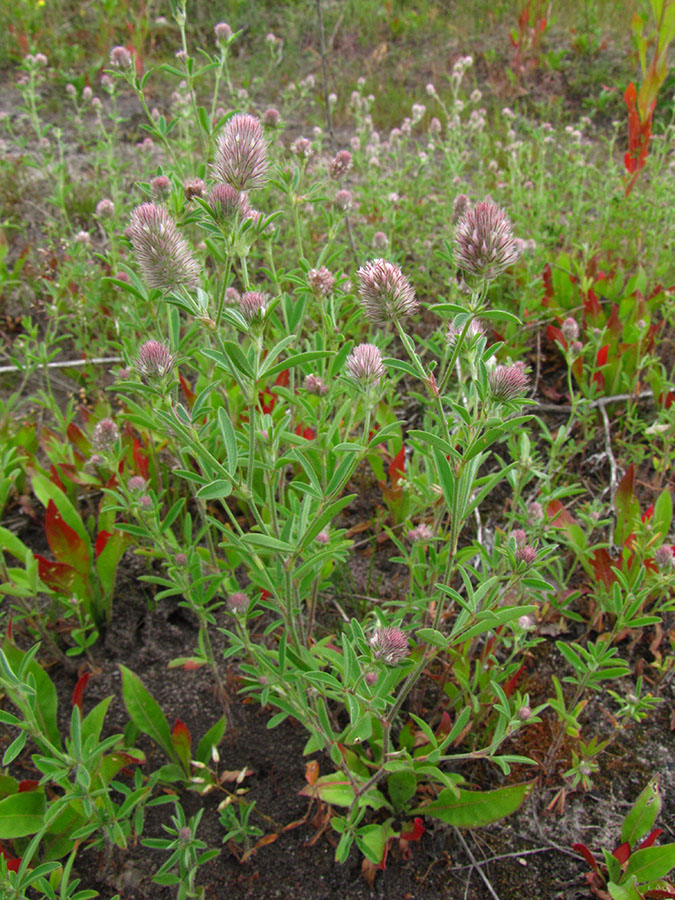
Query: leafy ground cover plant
(303, 330)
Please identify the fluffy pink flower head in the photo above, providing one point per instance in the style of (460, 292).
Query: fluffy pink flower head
(225, 202)
(340, 164)
(664, 558)
(385, 292)
(321, 281)
(475, 330)
(314, 384)
(507, 382)
(526, 554)
(163, 256)
(194, 187)
(223, 32)
(241, 158)
(252, 306)
(238, 602)
(343, 199)
(271, 118)
(161, 187)
(420, 533)
(570, 330)
(390, 645)
(364, 364)
(485, 242)
(154, 360)
(120, 58)
(105, 435)
(105, 208)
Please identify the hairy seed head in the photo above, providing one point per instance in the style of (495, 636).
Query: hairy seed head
(386, 293)
(485, 245)
(241, 158)
(163, 256)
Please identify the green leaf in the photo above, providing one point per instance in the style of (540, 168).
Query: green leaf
(265, 542)
(432, 636)
(216, 490)
(211, 739)
(624, 891)
(651, 863)
(22, 814)
(229, 440)
(472, 809)
(401, 787)
(237, 358)
(640, 820)
(663, 513)
(297, 360)
(46, 699)
(145, 712)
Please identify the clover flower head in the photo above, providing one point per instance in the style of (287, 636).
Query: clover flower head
(163, 256)
(223, 32)
(526, 554)
(508, 382)
(252, 305)
(238, 602)
(420, 533)
(154, 360)
(105, 435)
(271, 118)
(314, 384)
(120, 58)
(390, 645)
(226, 201)
(105, 208)
(343, 199)
(570, 330)
(340, 165)
(160, 187)
(485, 245)
(386, 294)
(241, 158)
(364, 364)
(194, 187)
(321, 281)
(664, 558)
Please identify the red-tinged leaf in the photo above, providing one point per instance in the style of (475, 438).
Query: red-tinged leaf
(558, 515)
(599, 379)
(182, 743)
(603, 353)
(444, 726)
(101, 540)
(555, 335)
(667, 400)
(60, 577)
(305, 432)
(647, 514)
(11, 862)
(188, 393)
(578, 369)
(397, 465)
(78, 693)
(592, 306)
(77, 437)
(192, 664)
(602, 563)
(28, 784)
(283, 378)
(614, 325)
(626, 489)
(622, 852)
(510, 685)
(140, 459)
(64, 542)
(659, 894)
(311, 772)
(649, 840)
(265, 594)
(587, 855)
(416, 832)
(55, 478)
